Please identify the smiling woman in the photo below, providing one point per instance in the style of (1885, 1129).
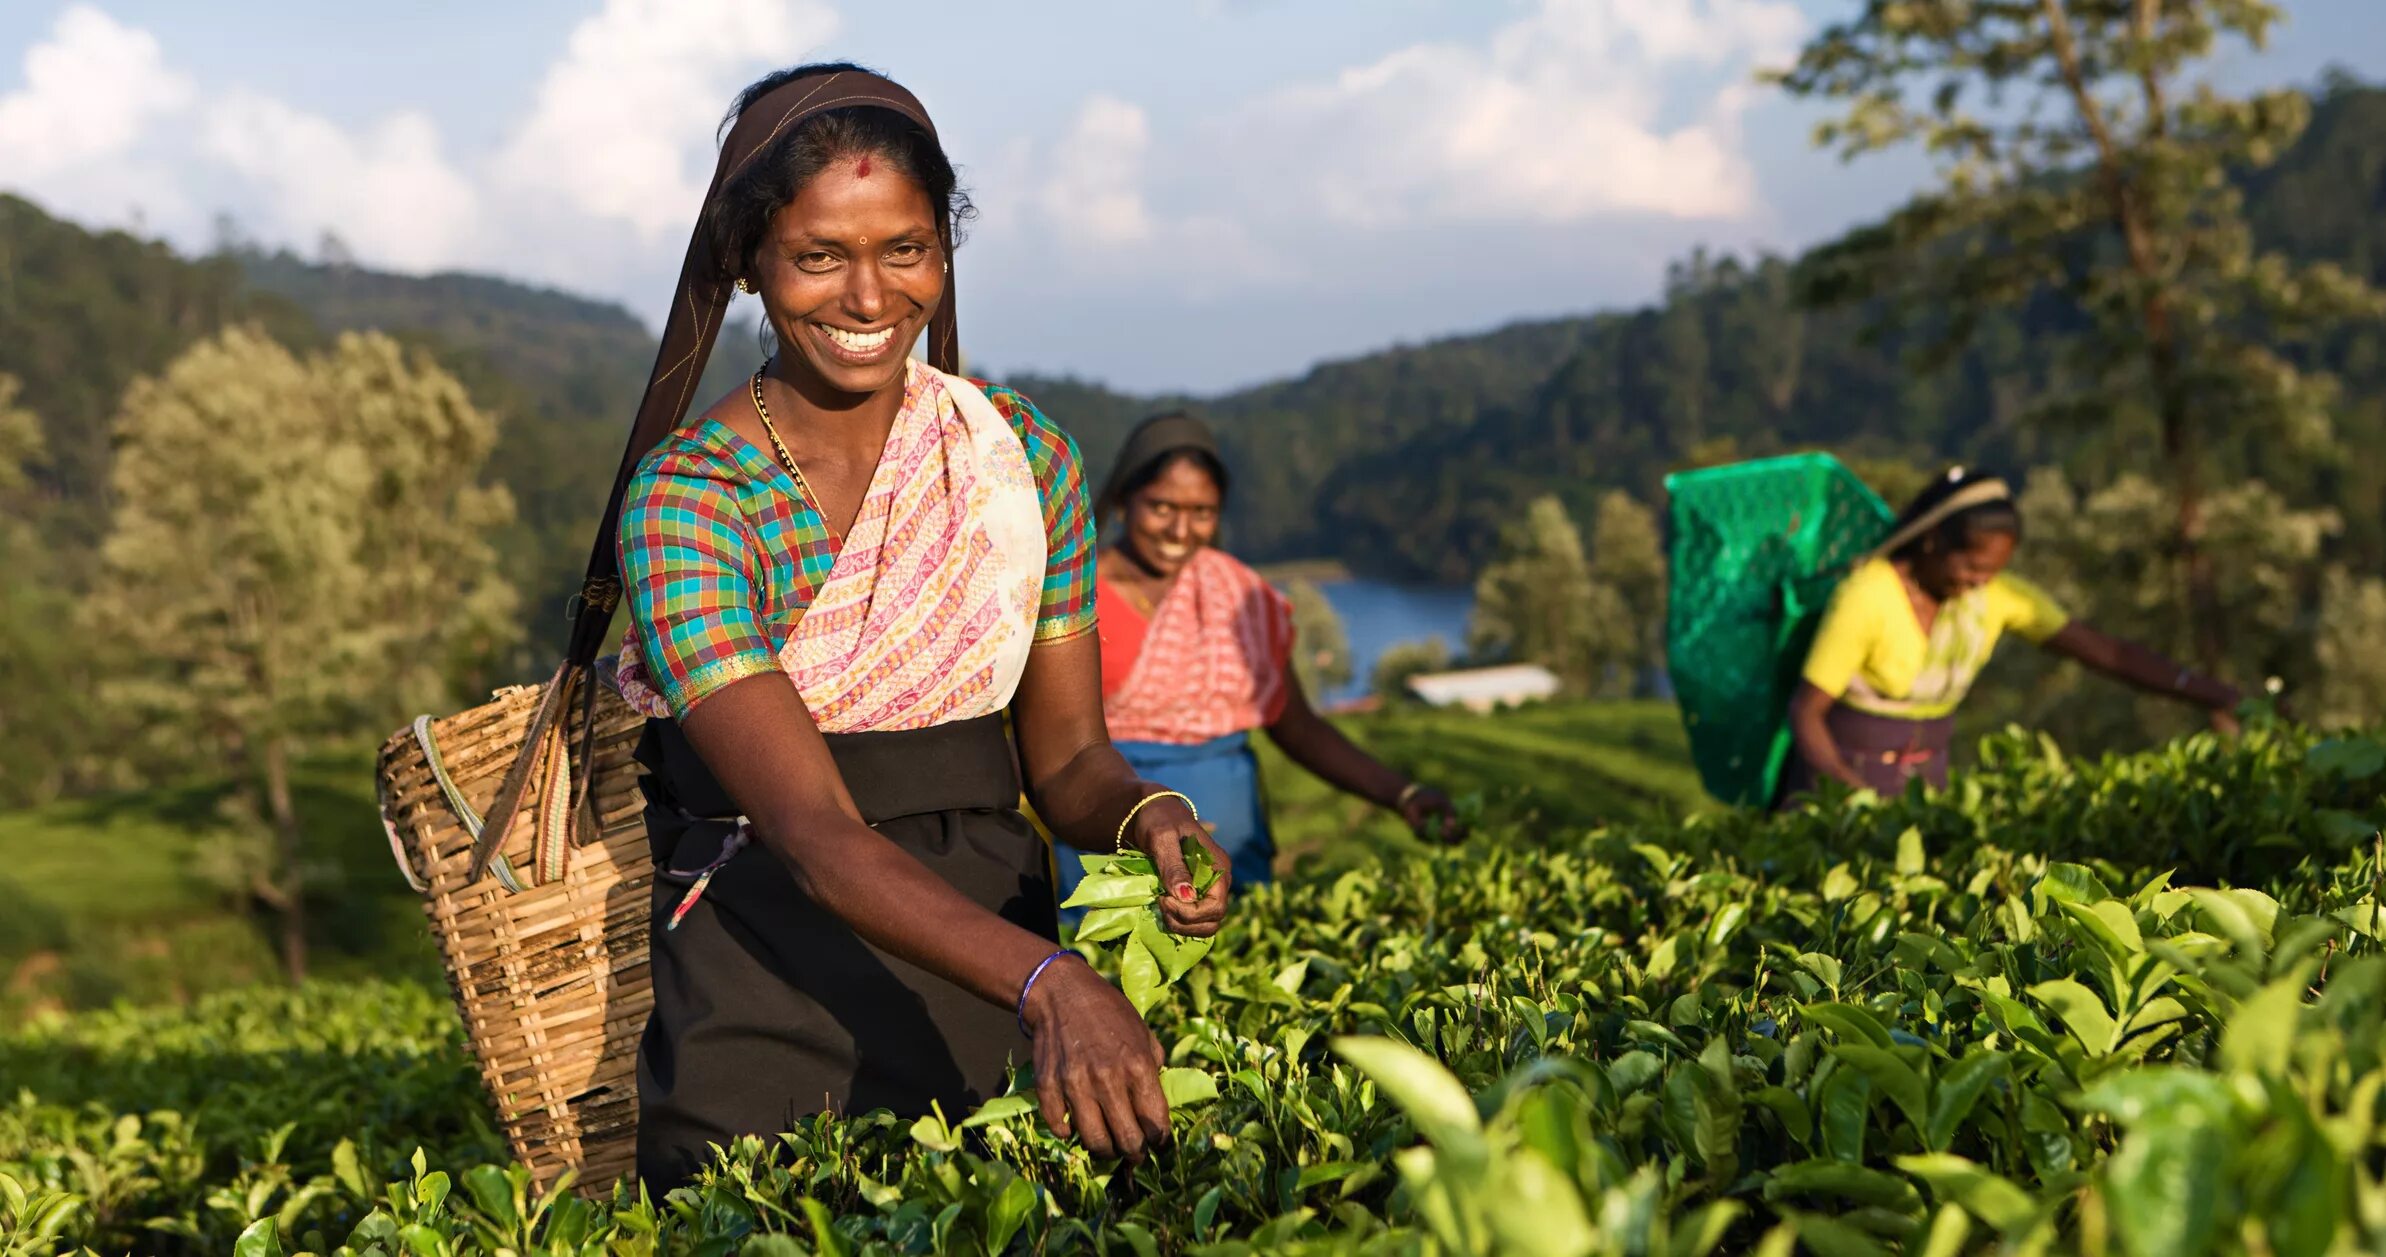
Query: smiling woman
(841, 577)
(1197, 653)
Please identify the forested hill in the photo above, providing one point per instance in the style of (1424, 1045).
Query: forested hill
(1406, 463)
(1401, 463)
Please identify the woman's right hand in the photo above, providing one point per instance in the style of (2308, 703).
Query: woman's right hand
(1097, 1064)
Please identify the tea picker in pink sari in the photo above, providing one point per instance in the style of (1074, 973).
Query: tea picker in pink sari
(1197, 653)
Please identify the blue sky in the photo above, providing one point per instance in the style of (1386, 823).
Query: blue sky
(1185, 195)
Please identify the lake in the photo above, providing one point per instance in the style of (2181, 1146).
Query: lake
(1378, 615)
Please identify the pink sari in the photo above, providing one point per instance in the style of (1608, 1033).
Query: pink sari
(1214, 659)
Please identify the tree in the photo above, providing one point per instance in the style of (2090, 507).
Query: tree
(37, 661)
(2078, 166)
(1320, 647)
(298, 553)
(2088, 551)
(1628, 557)
(2349, 653)
(1537, 602)
(1402, 662)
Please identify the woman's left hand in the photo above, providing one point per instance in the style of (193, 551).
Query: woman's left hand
(1160, 832)
(1430, 814)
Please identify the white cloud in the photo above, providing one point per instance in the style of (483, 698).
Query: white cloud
(1578, 111)
(93, 90)
(389, 193)
(1091, 187)
(612, 156)
(618, 128)
(1558, 117)
(90, 91)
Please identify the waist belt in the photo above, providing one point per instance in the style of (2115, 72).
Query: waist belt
(962, 766)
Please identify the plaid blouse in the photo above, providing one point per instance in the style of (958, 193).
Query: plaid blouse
(720, 554)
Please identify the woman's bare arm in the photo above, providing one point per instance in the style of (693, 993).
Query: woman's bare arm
(1081, 786)
(1312, 741)
(1807, 711)
(2148, 670)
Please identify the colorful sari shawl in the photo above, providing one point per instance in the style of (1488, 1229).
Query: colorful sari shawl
(1214, 659)
(924, 616)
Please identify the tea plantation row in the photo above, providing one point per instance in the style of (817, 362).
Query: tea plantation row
(2132, 1006)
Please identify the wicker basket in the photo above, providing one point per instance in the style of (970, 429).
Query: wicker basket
(552, 978)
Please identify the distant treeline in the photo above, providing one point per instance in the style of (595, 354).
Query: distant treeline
(1401, 464)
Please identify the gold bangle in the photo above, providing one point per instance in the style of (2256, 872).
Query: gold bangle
(1129, 819)
(1407, 792)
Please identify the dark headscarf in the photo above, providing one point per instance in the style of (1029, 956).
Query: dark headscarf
(695, 319)
(1152, 440)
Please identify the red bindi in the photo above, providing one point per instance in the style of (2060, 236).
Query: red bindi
(861, 169)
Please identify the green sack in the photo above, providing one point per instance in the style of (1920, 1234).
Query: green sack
(1757, 549)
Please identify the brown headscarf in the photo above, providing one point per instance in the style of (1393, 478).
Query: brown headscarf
(688, 333)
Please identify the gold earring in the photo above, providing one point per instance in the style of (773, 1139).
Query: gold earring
(745, 285)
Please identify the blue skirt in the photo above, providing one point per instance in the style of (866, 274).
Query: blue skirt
(1221, 776)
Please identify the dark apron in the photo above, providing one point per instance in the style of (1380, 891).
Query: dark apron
(767, 1008)
(1885, 751)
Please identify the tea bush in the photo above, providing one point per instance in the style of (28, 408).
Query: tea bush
(2128, 1006)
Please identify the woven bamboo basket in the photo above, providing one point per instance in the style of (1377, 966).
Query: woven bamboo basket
(551, 979)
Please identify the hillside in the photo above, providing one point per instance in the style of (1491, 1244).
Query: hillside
(1401, 463)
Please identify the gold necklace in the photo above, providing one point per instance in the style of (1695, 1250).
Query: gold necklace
(803, 488)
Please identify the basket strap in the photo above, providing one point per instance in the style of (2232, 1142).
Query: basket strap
(544, 745)
(457, 803)
(389, 826)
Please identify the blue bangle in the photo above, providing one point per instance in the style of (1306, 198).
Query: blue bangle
(1030, 985)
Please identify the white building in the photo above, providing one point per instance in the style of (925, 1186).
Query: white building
(1484, 689)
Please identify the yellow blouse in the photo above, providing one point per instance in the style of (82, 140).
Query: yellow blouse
(1871, 654)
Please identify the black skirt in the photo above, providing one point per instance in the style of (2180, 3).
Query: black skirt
(769, 1009)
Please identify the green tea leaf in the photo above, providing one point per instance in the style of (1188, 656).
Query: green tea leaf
(2166, 1186)
(1536, 1211)
(1009, 1211)
(2248, 917)
(1184, 1087)
(1104, 924)
(1000, 1109)
(1844, 1108)
(1892, 1078)
(1431, 1097)
(1828, 1237)
(1957, 1091)
(1909, 852)
(260, 1239)
(1852, 1024)
(1839, 1181)
(2083, 1014)
(1986, 1195)
(2067, 883)
(2351, 759)
(1114, 890)
(2260, 1035)
(1139, 974)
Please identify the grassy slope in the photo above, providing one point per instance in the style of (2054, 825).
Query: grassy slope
(112, 899)
(1575, 764)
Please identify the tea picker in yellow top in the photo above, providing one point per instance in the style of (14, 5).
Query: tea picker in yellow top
(1910, 627)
